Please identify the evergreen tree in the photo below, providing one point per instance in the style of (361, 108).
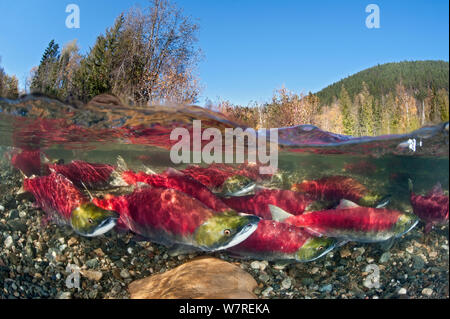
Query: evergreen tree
(365, 112)
(347, 117)
(46, 75)
(95, 75)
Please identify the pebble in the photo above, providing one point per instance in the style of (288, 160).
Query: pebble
(402, 291)
(99, 252)
(254, 264)
(267, 291)
(92, 274)
(385, 257)
(64, 295)
(72, 241)
(8, 242)
(264, 277)
(124, 274)
(314, 270)
(92, 263)
(2, 208)
(427, 292)
(13, 214)
(326, 288)
(345, 253)
(418, 262)
(286, 283)
(307, 281)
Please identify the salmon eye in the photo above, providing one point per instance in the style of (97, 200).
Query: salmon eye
(227, 232)
(320, 248)
(90, 221)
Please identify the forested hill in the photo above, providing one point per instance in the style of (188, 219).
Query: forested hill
(416, 76)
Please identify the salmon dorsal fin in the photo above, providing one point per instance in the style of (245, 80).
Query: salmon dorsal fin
(346, 204)
(121, 164)
(278, 214)
(173, 172)
(436, 190)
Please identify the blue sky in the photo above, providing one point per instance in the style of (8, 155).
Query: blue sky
(250, 47)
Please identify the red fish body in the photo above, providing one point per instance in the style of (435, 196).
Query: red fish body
(215, 175)
(151, 208)
(432, 208)
(180, 182)
(29, 162)
(55, 194)
(354, 223)
(92, 175)
(273, 240)
(168, 216)
(333, 188)
(258, 204)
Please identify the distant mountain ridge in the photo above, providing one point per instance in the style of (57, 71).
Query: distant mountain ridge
(416, 76)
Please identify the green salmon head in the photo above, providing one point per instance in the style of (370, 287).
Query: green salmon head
(237, 185)
(315, 248)
(225, 230)
(369, 200)
(90, 220)
(405, 223)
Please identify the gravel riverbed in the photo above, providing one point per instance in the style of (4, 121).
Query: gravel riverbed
(34, 261)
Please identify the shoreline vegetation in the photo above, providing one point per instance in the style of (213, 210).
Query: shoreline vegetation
(150, 56)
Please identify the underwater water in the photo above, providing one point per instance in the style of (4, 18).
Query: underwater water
(104, 131)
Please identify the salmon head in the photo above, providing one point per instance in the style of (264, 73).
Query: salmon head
(237, 185)
(405, 223)
(314, 248)
(90, 220)
(225, 230)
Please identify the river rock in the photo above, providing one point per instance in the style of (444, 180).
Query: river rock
(92, 274)
(201, 278)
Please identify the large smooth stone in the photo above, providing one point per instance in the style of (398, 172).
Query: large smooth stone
(202, 278)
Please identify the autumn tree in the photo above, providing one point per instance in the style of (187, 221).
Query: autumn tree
(9, 85)
(158, 55)
(442, 99)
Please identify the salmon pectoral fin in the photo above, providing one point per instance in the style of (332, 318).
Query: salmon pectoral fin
(178, 249)
(387, 244)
